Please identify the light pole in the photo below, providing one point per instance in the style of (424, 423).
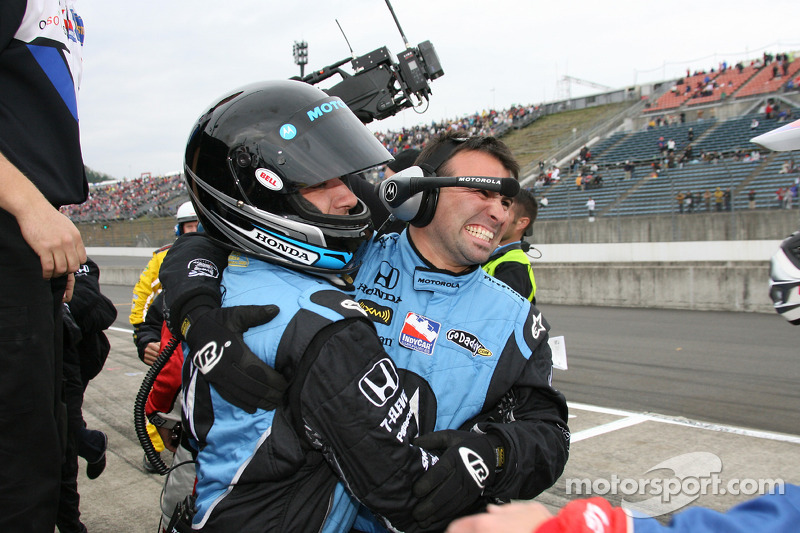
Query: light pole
(300, 52)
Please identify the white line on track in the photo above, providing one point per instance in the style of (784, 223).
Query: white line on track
(630, 418)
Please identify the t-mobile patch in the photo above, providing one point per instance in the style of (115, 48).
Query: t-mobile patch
(419, 333)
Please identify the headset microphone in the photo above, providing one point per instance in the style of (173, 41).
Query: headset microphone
(411, 196)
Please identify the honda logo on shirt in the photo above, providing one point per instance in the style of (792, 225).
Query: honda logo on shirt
(387, 276)
(380, 383)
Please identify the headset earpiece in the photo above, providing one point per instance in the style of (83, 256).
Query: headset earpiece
(398, 196)
(427, 208)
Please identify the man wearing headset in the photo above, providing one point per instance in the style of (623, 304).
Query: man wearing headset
(770, 513)
(468, 355)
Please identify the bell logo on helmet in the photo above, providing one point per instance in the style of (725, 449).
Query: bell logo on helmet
(269, 179)
(288, 132)
(324, 109)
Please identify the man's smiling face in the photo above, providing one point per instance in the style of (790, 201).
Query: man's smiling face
(468, 223)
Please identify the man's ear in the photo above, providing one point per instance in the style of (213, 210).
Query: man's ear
(522, 222)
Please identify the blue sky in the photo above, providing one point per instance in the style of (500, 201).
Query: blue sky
(150, 68)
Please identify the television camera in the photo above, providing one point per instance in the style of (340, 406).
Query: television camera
(380, 87)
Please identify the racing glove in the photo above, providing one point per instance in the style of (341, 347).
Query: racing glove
(466, 468)
(218, 351)
(594, 515)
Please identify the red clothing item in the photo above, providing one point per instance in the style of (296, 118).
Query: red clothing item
(168, 382)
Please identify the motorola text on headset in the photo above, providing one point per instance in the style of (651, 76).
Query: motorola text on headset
(411, 194)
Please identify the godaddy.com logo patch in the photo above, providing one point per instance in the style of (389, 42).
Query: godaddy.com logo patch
(694, 474)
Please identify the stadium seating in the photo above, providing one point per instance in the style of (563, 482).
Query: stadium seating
(676, 96)
(764, 82)
(727, 83)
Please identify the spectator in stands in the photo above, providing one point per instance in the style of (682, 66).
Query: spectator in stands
(786, 167)
(751, 198)
(629, 169)
(688, 155)
(790, 196)
(680, 197)
(727, 197)
(579, 182)
(754, 124)
(590, 205)
(779, 194)
(662, 146)
(718, 197)
(690, 134)
(690, 202)
(707, 199)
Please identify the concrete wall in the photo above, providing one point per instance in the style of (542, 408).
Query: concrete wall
(742, 225)
(701, 286)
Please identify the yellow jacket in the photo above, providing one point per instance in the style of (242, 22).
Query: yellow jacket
(148, 286)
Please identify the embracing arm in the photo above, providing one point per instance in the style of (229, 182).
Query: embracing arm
(525, 421)
(190, 276)
(355, 410)
(531, 420)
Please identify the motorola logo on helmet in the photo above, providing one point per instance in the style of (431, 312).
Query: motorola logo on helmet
(250, 154)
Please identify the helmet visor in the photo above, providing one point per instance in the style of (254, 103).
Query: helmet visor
(322, 141)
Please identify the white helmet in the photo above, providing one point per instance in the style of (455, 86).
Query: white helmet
(784, 279)
(186, 213)
(784, 270)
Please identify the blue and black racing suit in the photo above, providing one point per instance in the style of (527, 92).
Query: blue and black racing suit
(470, 354)
(475, 354)
(267, 471)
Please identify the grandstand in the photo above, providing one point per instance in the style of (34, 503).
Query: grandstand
(710, 118)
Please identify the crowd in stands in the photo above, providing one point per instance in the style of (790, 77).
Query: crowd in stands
(489, 122)
(158, 196)
(128, 199)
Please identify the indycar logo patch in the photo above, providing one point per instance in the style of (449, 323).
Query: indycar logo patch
(419, 333)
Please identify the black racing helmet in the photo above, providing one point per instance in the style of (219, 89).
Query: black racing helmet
(252, 151)
(784, 279)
